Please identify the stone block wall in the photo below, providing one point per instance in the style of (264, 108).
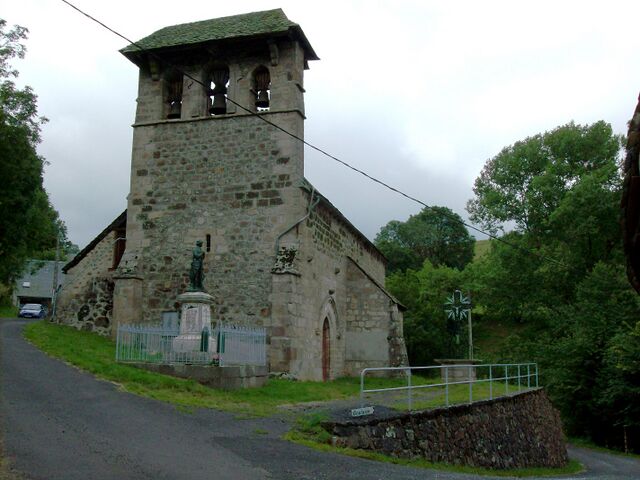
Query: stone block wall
(336, 238)
(86, 299)
(374, 333)
(519, 431)
(230, 179)
(322, 280)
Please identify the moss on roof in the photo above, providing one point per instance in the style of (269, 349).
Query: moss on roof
(265, 23)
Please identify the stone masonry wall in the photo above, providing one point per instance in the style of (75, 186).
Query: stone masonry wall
(523, 430)
(226, 178)
(374, 333)
(318, 283)
(231, 178)
(333, 237)
(86, 299)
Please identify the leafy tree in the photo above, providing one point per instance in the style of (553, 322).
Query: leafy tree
(436, 234)
(28, 223)
(525, 183)
(565, 277)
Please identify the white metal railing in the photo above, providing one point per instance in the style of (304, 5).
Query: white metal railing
(237, 345)
(226, 345)
(501, 377)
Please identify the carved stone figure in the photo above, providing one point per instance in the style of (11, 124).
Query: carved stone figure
(196, 274)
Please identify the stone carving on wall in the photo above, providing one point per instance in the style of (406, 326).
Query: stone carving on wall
(285, 260)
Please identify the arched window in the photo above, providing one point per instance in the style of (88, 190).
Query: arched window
(174, 95)
(262, 88)
(218, 83)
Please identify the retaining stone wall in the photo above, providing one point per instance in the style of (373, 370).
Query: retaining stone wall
(519, 431)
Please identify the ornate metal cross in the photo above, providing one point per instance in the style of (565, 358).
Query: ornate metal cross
(458, 309)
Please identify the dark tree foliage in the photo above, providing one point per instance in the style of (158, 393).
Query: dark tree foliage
(436, 234)
(525, 183)
(563, 275)
(424, 292)
(28, 223)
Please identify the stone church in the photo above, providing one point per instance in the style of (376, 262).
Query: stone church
(213, 159)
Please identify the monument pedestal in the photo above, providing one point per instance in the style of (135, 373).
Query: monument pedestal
(195, 317)
(457, 369)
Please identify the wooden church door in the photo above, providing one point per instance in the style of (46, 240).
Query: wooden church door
(326, 350)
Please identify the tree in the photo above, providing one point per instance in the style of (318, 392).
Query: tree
(436, 234)
(29, 224)
(526, 181)
(562, 275)
(424, 292)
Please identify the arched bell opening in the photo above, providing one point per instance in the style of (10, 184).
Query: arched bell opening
(262, 88)
(218, 87)
(173, 95)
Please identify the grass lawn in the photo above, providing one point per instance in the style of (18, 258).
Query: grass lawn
(481, 248)
(8, 311)
(96, 355)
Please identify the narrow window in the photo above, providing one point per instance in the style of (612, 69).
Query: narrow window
(174, 95)
(208, 242)
(218, 90)
(262, 88)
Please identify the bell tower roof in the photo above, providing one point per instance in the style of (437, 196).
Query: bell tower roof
(256, 25)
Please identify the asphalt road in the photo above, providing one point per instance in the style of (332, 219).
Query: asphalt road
(60, 423)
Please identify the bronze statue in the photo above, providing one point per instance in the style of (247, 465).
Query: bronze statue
(196, 274)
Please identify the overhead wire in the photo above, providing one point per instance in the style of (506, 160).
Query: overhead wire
(455, 218)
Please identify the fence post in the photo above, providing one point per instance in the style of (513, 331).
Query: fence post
(118, 344)
(506, 379)
(490, 383)
(409, 384)
(470, 384)
(362, 387)
(528, 375)
(536, 375)
(446, 385)
(519, 377)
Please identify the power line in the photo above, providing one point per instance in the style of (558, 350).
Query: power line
(312, 146)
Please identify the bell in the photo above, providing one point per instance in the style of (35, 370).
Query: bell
(262, 99)
(219, 104)
(174, 110)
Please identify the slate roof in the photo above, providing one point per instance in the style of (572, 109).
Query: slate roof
(268, 23)
(39, 275)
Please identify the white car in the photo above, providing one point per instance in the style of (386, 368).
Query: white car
(32, 310)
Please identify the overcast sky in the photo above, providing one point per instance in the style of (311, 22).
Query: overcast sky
(417, 93)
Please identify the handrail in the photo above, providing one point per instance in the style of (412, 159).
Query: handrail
(445, 374)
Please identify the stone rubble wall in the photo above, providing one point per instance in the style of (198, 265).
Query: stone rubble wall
(86, 299)
(519, 431)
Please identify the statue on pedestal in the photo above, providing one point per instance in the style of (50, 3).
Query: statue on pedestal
(196, 274)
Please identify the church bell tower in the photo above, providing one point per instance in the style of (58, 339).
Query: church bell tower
(206, 165)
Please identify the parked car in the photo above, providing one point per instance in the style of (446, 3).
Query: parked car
(32, 310)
